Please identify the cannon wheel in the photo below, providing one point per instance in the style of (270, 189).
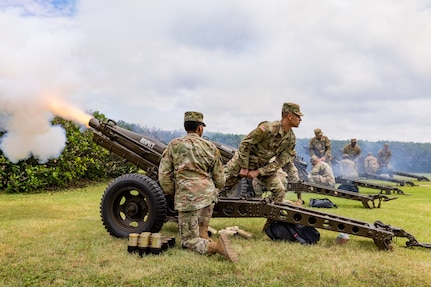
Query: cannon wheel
(133, 203)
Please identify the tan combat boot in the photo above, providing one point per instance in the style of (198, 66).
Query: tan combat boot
(222, 246)
(298, 202)
(203, 230)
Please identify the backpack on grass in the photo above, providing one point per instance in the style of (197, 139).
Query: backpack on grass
(322, 203)
(292, 232)
(349, 187)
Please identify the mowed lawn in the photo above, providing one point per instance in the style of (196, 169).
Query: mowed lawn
(58, 239)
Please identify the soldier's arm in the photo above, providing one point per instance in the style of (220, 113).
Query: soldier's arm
(166, 172)
(328, 148)
(254, 137)
(218, 174)
(286, 156)
(311, 148)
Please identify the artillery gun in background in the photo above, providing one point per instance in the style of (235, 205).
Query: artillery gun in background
(245, 186)
(135, 203)
(384, 174)
(354, 184)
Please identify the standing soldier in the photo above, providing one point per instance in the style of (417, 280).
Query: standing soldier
(370, 163)
(266, 150)
(352, 151)
(191, 169)
(384, 157)
(320, 146)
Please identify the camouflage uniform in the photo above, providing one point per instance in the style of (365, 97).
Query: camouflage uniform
(256, 150)
(384, 157)
(370, 163)
(348, 169)
(321, 173)
(320, 147)
(353, 153)
(268, 148)
(289, 173)
(292, 172)
(191, 169)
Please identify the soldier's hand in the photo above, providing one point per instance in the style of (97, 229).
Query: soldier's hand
(253, 173)
(243, 172)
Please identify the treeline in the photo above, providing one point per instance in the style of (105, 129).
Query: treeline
(406, 156)
(82, 161)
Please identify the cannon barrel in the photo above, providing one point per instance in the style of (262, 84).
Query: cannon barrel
(142, 151)
(418, 177)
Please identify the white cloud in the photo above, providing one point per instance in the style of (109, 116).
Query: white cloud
(357, 68)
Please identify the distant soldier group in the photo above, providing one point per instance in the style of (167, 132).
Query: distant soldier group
(320, 148)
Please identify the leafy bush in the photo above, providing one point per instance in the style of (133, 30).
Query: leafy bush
(81, 161)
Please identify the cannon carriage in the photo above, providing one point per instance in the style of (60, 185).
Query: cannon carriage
(135, 203)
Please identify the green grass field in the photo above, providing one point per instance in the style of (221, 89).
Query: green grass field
(57, 239)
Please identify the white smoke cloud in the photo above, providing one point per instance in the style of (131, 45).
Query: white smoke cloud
(37, 66)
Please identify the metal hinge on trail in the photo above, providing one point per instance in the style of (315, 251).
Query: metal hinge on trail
(399, 232)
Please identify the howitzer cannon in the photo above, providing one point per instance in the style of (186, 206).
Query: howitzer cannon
(134, 203)
(357, 182)
(405, 174)
(385, 178)
(361, 183)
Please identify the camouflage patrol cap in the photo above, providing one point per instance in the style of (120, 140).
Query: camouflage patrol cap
(353, 140)
(292, 108)
(194, 117)
(318, 132)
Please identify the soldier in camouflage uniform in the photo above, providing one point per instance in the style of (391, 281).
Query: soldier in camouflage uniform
(321, 172)
(384, 157)
(320, 146)
(289, 173)
(348, 168)
(370, 163)
(265, 150)
(191, 169)
(352, 150)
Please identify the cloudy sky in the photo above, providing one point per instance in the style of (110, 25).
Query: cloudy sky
(359, 68)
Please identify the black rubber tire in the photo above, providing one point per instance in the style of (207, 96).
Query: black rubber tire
(133, 203)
